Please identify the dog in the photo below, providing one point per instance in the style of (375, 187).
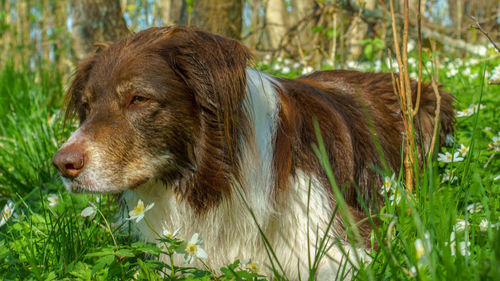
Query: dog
(176, 116)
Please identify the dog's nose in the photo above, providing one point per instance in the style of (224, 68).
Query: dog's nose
(69, 161)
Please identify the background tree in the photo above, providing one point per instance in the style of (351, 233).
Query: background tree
(95, 21)
(173, 12)
(222, 17)
(309, 31)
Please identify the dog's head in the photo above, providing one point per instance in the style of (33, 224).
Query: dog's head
(164, 103)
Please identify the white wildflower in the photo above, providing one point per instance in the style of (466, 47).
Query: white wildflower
(475, 107)
(352, 64)
(496, 140)
(287, 61)
(412, 61)
(481, 50)
(307, 69)
(90, 211)
(419, 247)
(452, 72)
(464, 113)
(448, 157)
(389, 184)
(53, 200)
(423, 246)
(169, 234)
(193, 250)
(463, 150)
(449, 140)
(250, 266)
(462, 246)
(460, 225)
(395, 196)
(7, 212)
(296, 65)
(411, 46)
(276, 67)
(285, 70)
(483, 225)
(447, 177)
(474, 208)
(139, 211)
(495, 74)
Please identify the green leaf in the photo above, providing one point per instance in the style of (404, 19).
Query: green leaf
(317, 29)
(124, 253)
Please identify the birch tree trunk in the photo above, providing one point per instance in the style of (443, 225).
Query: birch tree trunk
(95, 21)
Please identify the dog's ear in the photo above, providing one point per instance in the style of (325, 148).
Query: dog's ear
(73, 99)
(214, 68)
(80, 78)
(102, 45)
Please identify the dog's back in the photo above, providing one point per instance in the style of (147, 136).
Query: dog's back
(174, 116)
(355, 111)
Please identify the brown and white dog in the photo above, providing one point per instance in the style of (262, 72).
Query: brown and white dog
(175, 116)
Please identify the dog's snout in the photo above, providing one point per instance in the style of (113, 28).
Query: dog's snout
(70, 161)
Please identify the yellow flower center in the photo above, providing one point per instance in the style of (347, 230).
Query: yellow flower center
(7, 213)
(420, 250)
(387, 183)
(191, 249)
(139, 209)
(253, 267)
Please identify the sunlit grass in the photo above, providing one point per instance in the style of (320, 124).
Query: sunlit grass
(447, 230)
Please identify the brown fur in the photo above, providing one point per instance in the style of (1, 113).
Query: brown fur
(195, 82)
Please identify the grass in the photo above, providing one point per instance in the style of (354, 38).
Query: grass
(432, 235)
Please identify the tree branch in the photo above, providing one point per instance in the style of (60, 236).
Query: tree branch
(477, 26)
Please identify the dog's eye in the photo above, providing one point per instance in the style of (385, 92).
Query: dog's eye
(139, 100)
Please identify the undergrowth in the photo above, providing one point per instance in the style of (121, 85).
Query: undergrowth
(447, 230)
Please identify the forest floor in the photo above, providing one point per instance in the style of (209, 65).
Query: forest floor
(447, 230)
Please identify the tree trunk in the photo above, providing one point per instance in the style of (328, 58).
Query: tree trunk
(254, 32)
(95, 21)
(275, 19)
(173, 12)
(456, 11)
(301, 9)
(358, 31)
(223, 17)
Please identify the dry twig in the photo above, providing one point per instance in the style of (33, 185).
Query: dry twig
(477, 26)
(405, 94)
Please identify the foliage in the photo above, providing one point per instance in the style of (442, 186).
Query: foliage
(448, 230)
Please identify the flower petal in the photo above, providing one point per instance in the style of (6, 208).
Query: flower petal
(88, 212)
(201, 253)
(194, 239)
